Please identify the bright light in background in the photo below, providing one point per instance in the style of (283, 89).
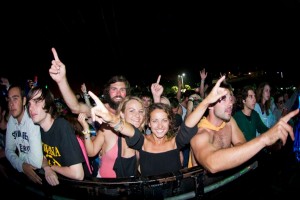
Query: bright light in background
(181, 76)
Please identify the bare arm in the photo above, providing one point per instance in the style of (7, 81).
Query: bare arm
(57, 72)
(203, 76)
(216, 93)
(85, 95)
(92, 147)
(74, 171)
(100, 114)
(215, 160)
(178, 95)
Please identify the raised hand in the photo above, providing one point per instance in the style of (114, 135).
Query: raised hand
(57, 70)
(82, 120)
(179, 82)
(157, 90)
(217, 92)
(99, 112)
(203, 74)
(4, 81)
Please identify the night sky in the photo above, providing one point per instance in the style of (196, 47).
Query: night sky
(95, 38)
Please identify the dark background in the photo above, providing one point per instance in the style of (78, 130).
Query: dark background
(142, 39)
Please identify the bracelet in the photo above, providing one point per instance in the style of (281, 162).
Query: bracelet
(86, 132)
(121, 126)
(191, 99)
(118, 125)
(202, 80)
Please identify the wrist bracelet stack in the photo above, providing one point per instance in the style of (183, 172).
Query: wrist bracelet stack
(119, 126)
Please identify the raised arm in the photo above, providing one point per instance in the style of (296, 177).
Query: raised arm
(203, 76)
(57, 72)
(216, 93)
(92, 146)
(85, 95)
(179, 81)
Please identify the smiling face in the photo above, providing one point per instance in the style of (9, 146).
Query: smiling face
(134, 113)
(116, 93)
(159, 123)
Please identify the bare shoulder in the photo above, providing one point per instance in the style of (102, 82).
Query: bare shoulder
(202, 134)
(106, 132)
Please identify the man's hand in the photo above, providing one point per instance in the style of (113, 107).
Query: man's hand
(280, 130)
(57, 70)
(30, 173)
(51, 176)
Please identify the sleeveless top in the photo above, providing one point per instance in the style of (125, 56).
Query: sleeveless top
(125, 167)
(108, 161)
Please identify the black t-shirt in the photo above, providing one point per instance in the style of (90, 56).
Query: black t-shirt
(60, 145)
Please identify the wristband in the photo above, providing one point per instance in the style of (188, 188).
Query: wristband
(118, 125)
(86, 132)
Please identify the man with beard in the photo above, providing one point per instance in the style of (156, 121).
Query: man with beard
(116, 89)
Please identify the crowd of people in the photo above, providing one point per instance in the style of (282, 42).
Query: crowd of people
(128, 135)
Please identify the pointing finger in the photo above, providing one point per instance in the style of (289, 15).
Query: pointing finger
(95, 98)
(291, 114)
(158, 79)
(56, 58)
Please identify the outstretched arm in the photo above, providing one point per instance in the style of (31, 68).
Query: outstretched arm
(216, 160)
(100, 114)
(57, 72)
